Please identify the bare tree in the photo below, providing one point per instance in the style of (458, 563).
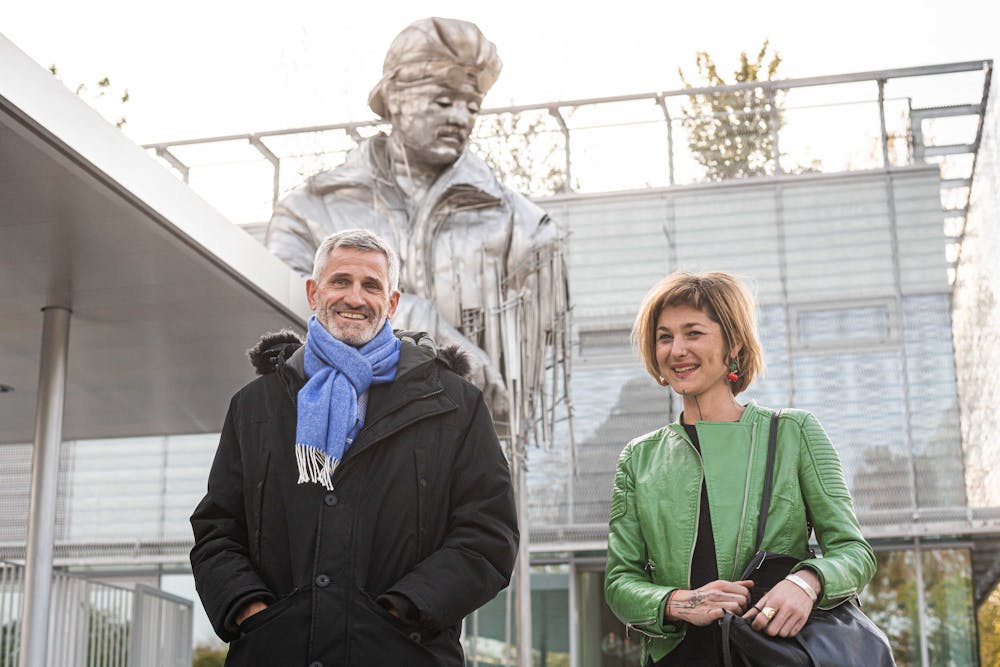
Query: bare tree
(524, 151)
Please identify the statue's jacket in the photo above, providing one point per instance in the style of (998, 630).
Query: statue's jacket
(656, 499)
(471, 245)
(422, 509)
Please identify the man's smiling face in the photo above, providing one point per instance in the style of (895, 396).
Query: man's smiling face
(352, 298)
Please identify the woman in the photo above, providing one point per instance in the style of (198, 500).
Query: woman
(687, 497)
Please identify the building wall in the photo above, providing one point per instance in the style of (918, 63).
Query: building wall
(977, 319)
(854, 315)
(120, 500)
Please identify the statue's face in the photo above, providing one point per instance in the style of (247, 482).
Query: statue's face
(433, 121)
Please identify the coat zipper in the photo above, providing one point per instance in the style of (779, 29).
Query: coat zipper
(746, 493)
(649, 568)
(638, 627)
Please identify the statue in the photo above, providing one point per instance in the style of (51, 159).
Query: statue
(482, 266)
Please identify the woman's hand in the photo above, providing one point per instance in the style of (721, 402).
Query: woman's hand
(706, 604)
(784, 610)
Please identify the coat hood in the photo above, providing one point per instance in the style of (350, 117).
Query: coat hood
(276, 347)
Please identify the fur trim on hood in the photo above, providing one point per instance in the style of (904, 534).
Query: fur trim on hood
(455, 359)
(272, 346)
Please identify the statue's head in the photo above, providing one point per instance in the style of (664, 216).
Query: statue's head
(434, 78)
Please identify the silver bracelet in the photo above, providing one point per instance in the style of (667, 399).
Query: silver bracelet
(804, 585)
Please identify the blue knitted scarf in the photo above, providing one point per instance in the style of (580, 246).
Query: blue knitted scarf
(328, 402)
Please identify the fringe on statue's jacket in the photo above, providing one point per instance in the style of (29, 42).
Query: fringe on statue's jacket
(422, 511)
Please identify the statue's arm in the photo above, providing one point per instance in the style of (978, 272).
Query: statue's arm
(537, 279)
(290, 239)
(537, 269)
(416, 313)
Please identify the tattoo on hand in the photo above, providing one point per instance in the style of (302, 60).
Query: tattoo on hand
(695, 600)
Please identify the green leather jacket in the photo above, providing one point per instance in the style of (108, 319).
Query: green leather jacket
(656, 501)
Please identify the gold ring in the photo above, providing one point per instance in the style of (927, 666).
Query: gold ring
(769, 612)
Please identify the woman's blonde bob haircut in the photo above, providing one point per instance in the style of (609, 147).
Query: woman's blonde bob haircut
(719, 295)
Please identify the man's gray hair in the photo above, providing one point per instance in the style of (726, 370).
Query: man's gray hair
(358, 239)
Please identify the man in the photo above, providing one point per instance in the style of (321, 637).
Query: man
(359, 505)
(481, 265)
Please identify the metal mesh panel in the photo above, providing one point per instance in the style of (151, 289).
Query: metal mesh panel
(933, 394)
(116, 488)
(612, 405)
(859, 399)
(15, 460)
(15, 492)
(119, 499)
(854, 320)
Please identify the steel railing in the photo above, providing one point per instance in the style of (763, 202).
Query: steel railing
(93, 624)
(846, 122)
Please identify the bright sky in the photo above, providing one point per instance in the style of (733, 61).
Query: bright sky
(211, 67)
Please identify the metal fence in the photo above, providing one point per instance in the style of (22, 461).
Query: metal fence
(93, 624)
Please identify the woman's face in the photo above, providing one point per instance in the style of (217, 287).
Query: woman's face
(691, 351)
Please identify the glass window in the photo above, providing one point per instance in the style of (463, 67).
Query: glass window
(891, 601)
(602, 641)
(485, 634)
(948, 593)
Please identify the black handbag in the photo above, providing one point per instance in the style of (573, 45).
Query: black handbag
(838, 637)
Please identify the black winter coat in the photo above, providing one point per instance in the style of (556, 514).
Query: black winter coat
(422, 508)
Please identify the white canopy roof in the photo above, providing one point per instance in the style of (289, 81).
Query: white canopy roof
(165, 293)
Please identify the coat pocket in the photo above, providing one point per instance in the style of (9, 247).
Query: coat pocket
(272, 611)
(275, 636)
(379, 638)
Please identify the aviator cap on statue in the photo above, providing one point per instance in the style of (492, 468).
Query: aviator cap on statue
(450, 52)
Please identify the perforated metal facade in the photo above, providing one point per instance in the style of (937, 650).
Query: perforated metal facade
(851, 278)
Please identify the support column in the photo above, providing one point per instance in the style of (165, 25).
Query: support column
(44, 478)
(522, 567)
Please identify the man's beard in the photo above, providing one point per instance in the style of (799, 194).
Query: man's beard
(351, 332)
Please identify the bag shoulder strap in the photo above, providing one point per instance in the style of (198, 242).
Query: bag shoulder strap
(765, 498)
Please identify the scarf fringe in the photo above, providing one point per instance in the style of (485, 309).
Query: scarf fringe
(315, 466)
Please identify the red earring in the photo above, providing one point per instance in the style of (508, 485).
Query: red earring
(733, 375)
